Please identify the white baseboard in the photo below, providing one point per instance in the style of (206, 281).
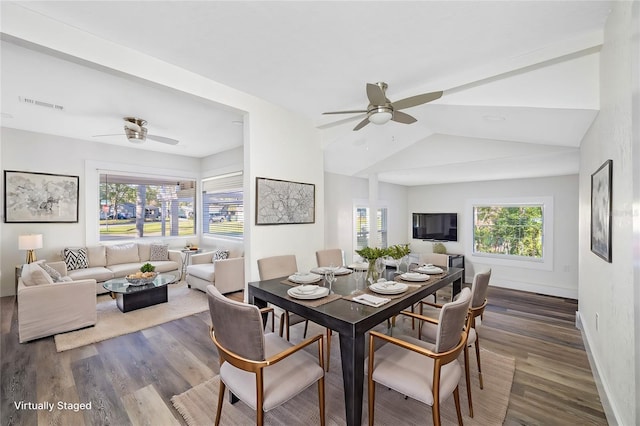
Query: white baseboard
(602, 386)
(568, 293)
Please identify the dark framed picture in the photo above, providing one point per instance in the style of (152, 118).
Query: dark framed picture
(280, 202)
(601, 182)
(31, 197)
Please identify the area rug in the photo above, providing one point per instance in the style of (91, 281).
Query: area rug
(198, 405)
(183, 302)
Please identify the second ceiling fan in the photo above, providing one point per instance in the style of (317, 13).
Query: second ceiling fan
(381, 109)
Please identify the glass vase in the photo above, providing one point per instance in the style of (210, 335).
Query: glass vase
(372, 274)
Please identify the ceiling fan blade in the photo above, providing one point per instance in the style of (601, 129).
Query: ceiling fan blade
(403, 118)
(376, 94)
(162, 139)
(346, 112)
(339, 122)
(111, 134)
(416, 100)
(361, 124)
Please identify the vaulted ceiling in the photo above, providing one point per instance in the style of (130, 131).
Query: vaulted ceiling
(520, 79)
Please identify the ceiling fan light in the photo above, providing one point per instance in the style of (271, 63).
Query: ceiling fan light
(380, 117)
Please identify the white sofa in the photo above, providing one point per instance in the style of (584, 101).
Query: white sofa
(49, 308)
(226, 275)
(120, 260)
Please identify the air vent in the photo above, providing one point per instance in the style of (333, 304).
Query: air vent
(40, 103)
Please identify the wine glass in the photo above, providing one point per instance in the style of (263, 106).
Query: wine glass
(329, 277)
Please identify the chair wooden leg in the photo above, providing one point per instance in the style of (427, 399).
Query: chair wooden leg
(371, 386)
(221, 391)
(456, 398)
(321, 400)
(477, 345)
(466, 374)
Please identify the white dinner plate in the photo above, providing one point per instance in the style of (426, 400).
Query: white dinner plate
(317, 294)
(414, 276)
(362, 266)
(339, 270)
(429, 270)
(302, 278)
(388, 287)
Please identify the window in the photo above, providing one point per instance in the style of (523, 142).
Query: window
(509, 230)
(223, 206)
(140, 207)
(362, 228)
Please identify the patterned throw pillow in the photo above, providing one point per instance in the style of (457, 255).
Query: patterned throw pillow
(220, 255)
(55, 275)
(75, 258)
(159, 252)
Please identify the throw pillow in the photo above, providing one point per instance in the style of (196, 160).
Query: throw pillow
(75, 258)
(220, 255)
(55, 275)
(159, 252)
(33, 274)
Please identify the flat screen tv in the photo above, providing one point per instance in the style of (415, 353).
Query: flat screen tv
(435, 226)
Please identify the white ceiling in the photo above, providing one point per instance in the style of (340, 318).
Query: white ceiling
(520, 79)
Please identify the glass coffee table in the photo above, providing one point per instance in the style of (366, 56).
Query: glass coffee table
(129, 297)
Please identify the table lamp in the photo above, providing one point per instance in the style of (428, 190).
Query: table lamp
(30, 243)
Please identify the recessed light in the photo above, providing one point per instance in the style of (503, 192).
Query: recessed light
(238, 122)
(494, 117)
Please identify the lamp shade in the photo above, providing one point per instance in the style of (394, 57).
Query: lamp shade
(30, 242)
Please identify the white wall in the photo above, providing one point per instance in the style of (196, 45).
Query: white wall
(36, 152)
(340, 194)
(607, 289)
(453, 198)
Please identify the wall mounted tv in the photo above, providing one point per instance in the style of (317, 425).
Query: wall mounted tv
(435, 226)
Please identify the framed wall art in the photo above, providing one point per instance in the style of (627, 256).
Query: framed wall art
(601, 182)
(280, 202)
(31, 197)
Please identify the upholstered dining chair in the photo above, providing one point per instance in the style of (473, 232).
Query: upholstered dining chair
(426, 372)
(276, 267)
(262, 370)
(330, 257)
(427, 331)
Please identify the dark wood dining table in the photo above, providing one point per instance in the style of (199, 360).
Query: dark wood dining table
(351, 320)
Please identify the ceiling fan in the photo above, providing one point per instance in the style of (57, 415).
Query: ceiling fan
(381, 109)
(135, 131)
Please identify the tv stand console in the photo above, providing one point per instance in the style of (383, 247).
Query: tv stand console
(457, 261)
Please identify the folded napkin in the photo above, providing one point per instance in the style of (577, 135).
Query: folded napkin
(368, 299)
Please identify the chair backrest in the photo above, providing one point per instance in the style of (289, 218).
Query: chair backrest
(330, 257)
(237, 326)
(437, 259)
(479, 288)
(451, 321)
(277, 266)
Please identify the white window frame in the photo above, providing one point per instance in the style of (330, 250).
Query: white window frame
(93, 169)
(214, 236)
(365, 204)
(544, 263)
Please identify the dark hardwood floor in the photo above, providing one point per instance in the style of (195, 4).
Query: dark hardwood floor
(131, 379)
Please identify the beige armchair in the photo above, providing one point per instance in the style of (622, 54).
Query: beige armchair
(426, 372)
(51, 308)
(428, 331)
(330, 257)
(227, 275)
(262, 370)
